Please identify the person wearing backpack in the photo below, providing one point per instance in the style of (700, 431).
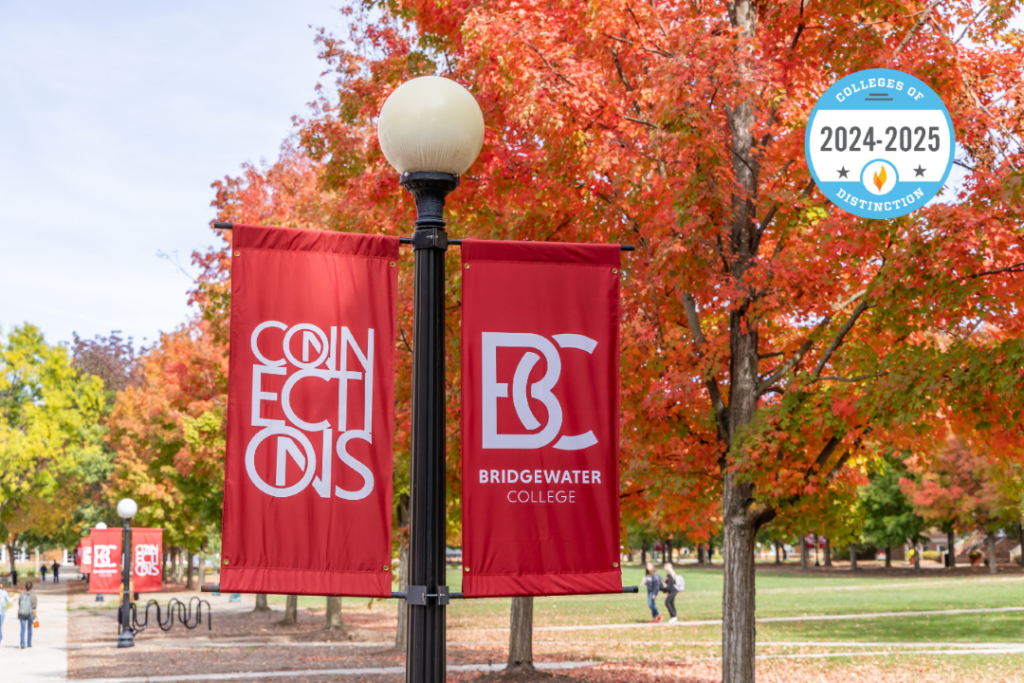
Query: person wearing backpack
(673, 584)
(27, 604)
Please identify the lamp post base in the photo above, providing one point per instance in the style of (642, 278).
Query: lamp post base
(126, 639)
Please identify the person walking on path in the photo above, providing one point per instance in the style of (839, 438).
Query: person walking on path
(5, 601)
(653, 583)
(56, 571)
(42, 570)
(673, 584)
(27, 605)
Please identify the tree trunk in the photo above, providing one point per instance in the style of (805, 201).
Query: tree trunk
(520, 639)
(643, 555)
(917, 557)
(951, 539)
(291, 611)
(993, 565)
(828, 553)
(10, 558)
(778, 552)
(888, 557)
(177, 565)
(334, 620)
(803, 553)
(738, 636)
(853, 558)
(668, 550)
(402, 518)
(189, 582)
(1020, 529)
(261, 603)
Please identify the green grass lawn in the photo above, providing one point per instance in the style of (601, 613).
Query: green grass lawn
(779, 594)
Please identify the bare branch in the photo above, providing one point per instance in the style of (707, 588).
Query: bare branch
(916, 27)
(1015, 268)
(851, 379)
(783, 369)
(548, 64)
(699, 340)
(646, 123)
(618, 67)
(843, 331)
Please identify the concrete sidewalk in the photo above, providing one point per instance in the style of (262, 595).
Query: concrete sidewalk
(47, 660)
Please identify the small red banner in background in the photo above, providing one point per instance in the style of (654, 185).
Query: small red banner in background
(106, 561)
(85, 556)
(540, 418)
(307, 494)
(147, 560)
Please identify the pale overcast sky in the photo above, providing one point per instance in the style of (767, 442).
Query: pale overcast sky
(115, 117)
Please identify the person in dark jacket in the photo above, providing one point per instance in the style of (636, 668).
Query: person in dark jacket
(654, 585)
(673, 584)
(56, 571)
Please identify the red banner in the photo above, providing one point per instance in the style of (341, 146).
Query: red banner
(147, 560)
(540, 418)
(106, 561)
(85, 561)
(307, 493)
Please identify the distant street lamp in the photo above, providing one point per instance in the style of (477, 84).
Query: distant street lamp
(431, 131)
(126, 509)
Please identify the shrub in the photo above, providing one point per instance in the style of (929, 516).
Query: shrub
(933, 555)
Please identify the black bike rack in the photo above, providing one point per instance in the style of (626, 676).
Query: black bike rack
(175, 608)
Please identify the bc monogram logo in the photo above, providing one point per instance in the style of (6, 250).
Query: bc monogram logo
(101, 557)
(87, 554)
(540, 390)
(328, 364)
(147, 559)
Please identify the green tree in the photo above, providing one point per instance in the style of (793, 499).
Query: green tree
(50, 435)
(889, 516)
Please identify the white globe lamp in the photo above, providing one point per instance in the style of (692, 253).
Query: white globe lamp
(127, 508)
(431, 124)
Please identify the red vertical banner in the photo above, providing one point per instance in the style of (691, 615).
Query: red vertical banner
(307, 492)
(147, 560)
(85, 562)
(540, 418)
(106, 561)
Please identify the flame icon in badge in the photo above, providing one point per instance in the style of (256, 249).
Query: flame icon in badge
(879, 177)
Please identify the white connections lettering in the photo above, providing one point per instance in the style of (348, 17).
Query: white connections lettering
(319, 358)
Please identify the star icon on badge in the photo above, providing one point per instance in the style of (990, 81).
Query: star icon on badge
(918, 172)
(843, 172)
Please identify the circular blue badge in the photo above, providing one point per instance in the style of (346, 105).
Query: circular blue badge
(880, 143)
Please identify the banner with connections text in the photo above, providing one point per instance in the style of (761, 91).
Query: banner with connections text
(540, 388)
(147, 560)
(307, 494)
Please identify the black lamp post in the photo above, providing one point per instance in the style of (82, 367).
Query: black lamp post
(431, 130)
(126, 509)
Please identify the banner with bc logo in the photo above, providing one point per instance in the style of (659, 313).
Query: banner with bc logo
(106, 561)
(540, 406)
(85, 555)
(307, 496)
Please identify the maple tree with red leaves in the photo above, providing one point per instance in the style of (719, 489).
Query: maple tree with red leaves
(167, 430)
(770, 340)
(960, 487)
